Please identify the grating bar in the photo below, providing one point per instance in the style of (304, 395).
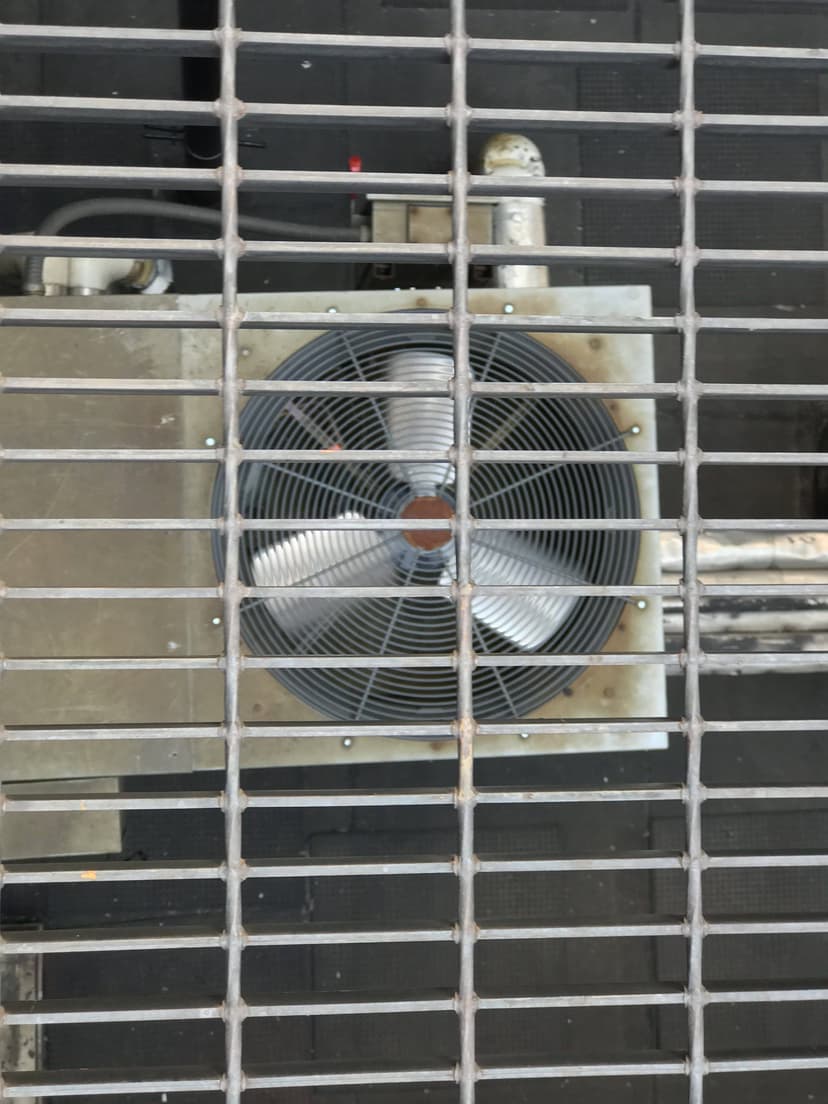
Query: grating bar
(24, 385)
(399, 252)
(47, 524)
(697, 1063)
(108, 872)
(233, 1008)
(189, 112)
(66, 1083)
(398, 320)
(50, 1012)
(417, 184)
(290, 799)
(149, 939)
(203, 43)
(403, 456)
(710, 661)
(326, 730)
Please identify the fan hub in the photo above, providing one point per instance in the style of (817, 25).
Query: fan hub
(427, 506)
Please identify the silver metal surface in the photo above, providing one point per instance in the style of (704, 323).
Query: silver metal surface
(448, 447)
(518, 220)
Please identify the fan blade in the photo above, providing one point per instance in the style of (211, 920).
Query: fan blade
(526, 620)
(420, 422)
(327, 557)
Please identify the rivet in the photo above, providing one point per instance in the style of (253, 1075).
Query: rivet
(332, 310)
(524, 735)
(244, 351)
(508, 308)
(216, 621)
(347, 742)
(642, 603)
(635, 430)
(210, 442)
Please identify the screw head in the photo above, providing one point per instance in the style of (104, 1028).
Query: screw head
(635, 430)
(524, 735)
(210, 442)
(508, 308)
(641, 603)
(332, 310)
(348, 742)
(215, 621)
(244, 351)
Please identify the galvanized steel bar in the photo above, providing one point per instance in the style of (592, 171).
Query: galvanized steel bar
(398, 320)
(104, 109)
(422, 184)
(707, 525)
(293, 799)
(332, 730)
(467, 926)
(149, 939)
(62, 245)
(708, 661)
(202, 43)
(73, 385)
(53, 1012)
(233, 1006)
(689, 119)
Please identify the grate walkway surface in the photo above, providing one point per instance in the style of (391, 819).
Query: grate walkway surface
(598, 980)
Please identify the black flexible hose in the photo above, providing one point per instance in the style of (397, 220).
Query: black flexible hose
(62, 217)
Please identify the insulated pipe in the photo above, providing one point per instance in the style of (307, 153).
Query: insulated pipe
(518, 220)
(61, 217)
(760, 552)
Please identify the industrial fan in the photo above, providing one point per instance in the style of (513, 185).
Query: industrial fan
(546, 622)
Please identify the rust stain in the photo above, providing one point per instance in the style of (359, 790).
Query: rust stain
(89, 875)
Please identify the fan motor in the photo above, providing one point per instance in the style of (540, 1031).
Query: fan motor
(424, 625)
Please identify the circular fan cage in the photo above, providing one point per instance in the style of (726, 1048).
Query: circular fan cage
(543, 622)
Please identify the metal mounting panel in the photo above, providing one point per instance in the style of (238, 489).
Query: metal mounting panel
(172, 627)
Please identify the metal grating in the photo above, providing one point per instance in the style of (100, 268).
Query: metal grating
(470, 1074)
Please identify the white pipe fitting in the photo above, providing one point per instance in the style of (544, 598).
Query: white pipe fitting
(518, 220)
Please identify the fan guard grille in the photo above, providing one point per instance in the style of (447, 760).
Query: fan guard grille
(412, 624)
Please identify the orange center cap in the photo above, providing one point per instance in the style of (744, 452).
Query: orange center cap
(427, 506)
